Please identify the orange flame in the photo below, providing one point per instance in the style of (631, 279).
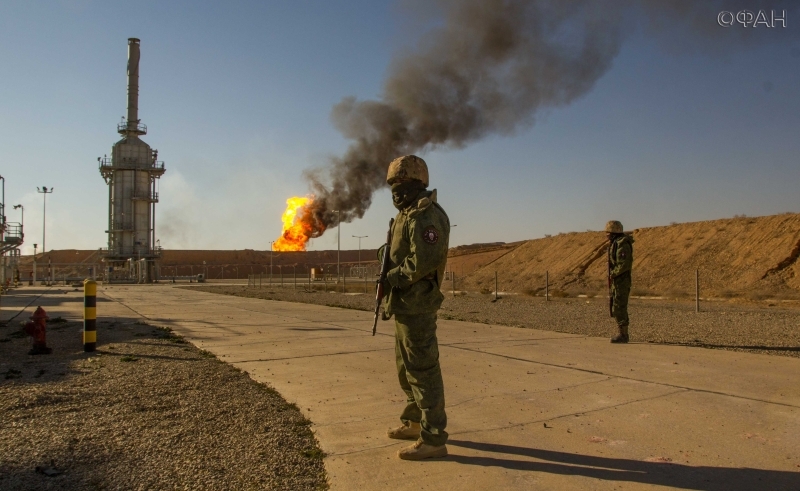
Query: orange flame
(296, 232)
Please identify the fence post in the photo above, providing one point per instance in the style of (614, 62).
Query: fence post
(495, 285)
(365, 279)
(89, 315)
(294, 271)
(547, 286)
(697, 290)
(453, 277)
(344, 283)
(309, 279)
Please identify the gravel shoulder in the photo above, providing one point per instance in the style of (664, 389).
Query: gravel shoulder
(147, 410)
(767, 328)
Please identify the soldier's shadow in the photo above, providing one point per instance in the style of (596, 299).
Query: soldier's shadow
(625, 470)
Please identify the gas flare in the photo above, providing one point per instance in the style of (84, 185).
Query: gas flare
(297, 227)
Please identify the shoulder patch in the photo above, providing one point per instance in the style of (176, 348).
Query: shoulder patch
(430, 235)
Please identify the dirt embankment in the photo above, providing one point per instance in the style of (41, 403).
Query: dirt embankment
(751, 257)
(736, 257)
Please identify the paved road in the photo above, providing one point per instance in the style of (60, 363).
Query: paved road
(528, 409)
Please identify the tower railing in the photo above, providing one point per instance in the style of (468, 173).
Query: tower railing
(108, 164)
(151, 197)
(13, 233)
(121, 225)
(132, 127)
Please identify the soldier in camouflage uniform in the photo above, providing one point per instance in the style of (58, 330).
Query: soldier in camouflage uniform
(418, 254)
(620, 262)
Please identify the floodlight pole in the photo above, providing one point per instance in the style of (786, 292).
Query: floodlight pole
(44, 191)
(22, 221)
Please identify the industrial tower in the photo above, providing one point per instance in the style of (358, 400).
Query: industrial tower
(131, 174)
(11, 238)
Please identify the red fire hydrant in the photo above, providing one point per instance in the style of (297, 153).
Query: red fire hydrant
(37, 328)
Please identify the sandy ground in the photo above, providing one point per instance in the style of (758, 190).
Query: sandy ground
(147, 410)
(527, 409)
(768, 328)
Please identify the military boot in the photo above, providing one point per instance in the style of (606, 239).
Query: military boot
(421, 450)
(408, 431)
(622, 337)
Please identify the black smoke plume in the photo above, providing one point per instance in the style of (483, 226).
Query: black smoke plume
(488, 69)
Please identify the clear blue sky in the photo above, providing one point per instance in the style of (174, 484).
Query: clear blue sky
(237, 97)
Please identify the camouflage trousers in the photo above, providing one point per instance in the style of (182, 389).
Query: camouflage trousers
(620, 291)
(417, 356)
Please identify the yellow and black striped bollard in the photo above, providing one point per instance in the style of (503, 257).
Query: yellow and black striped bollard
(89, 315)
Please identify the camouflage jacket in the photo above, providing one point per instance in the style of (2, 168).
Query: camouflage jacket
(418, 255)
(620, 256)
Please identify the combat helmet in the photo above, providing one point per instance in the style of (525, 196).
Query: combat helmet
(408, 167)
(614, 227)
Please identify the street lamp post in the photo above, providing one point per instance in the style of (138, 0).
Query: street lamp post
(44, 191)
(22, 221)
(34, 263)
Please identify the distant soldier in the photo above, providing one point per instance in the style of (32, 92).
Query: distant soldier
(620, 261)
(418, 255)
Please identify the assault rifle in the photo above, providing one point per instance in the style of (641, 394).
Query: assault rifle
(379, 293)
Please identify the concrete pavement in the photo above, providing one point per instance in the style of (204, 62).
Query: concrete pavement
(527, 409)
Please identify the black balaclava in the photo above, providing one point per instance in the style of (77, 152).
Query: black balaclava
(404, 193)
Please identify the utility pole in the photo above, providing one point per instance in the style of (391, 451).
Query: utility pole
(34, 264)
(270, 261)
(44, 191)
(452, 273)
